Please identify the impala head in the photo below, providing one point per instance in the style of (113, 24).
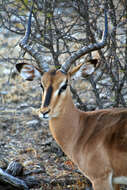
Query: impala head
(55, 85)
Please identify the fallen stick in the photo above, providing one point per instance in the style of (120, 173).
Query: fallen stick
(14, 181)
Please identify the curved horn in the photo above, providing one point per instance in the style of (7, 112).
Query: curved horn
(23, 44)
(92, 47)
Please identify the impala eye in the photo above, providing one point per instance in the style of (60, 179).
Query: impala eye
(63, 88)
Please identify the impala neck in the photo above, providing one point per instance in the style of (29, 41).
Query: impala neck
(65, 128)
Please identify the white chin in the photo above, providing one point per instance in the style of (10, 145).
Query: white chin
(46, 118)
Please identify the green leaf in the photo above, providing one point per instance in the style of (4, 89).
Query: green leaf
(49, 15)
(26, 2)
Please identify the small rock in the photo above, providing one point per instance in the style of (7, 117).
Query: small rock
(15, 168)
(23, 105)
(33, 123)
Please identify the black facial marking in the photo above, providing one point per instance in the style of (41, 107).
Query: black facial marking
(48, 96)
(42, 87)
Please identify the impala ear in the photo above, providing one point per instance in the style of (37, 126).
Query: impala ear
(83, 70)
(28, 72)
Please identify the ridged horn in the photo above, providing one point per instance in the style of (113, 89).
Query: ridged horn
(92, 47)
(24, 45)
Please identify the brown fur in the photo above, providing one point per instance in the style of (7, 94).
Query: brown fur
(96, 141)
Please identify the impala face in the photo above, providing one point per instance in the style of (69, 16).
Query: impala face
(54, 90)
(55, 85)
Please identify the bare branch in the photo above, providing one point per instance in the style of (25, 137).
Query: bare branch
(92, 47)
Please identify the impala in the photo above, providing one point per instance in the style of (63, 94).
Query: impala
(96, 141)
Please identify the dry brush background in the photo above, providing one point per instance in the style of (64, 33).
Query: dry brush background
(58, 29)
